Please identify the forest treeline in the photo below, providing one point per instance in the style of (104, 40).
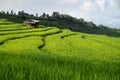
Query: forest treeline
(63, 21)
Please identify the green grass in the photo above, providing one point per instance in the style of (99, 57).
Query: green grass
(24, 31)
(5, 22)
(63, 55)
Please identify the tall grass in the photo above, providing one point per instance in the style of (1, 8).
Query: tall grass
(95, 57)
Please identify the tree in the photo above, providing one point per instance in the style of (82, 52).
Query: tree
(22, 15)
(44, 16)
(56, 15)
(3, 12)
(102, 27)
(48, 16)
(36, 15)
(12, 13)
(8, 13)
(81, 20)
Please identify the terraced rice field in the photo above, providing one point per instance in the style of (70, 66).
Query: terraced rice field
(49, 53)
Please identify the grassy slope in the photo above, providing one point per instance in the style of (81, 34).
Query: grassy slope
(63, 55)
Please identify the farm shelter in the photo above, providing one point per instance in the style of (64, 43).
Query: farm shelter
(32, 22)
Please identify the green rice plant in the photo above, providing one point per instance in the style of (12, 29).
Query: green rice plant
(63, 56)
(5, 22)
(101, 55)
(12, 26)
(14, 29)
(22, 44)
(66, 62)
(14, 36)
(25, 31)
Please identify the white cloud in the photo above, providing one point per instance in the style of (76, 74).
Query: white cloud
(113, 3)
(99, 11)
(71, 1)
(101, 4)
(88, 6)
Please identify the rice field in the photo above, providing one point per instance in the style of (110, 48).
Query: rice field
(49, 53)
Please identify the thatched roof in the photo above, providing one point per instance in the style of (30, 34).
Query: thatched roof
(32, 21)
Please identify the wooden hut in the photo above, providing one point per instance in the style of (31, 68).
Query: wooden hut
(33, 23)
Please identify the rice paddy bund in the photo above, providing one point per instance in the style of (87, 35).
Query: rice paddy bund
(49, 53)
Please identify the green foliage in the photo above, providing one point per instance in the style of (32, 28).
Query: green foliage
(49, 23)
(63, 21)
(96, 57)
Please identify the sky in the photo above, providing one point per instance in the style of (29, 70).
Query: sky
(106, 12)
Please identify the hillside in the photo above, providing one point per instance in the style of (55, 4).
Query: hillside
(63, 21)
(50, 53)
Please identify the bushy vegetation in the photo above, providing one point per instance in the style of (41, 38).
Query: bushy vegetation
(63, 21)
(49, 53)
